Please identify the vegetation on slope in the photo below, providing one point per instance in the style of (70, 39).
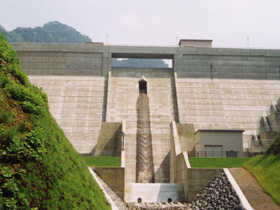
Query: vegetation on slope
(39, 169)
(266, 169)
(52, 32)
(274, 148)
(212, 162)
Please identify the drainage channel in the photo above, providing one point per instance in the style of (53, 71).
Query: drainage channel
(159, 206)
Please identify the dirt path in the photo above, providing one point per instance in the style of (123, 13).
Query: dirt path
(254, 193)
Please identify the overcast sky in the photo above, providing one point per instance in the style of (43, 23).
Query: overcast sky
(228, 23)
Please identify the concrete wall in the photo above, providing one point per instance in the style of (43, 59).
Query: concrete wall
(63, 59)
(155, 192)
(61, 63)
(194, 180)
(186, 136)
(225, 104)
(109, 140)
(175, 150)
(78, 105)
(197, 180)
(114, 178)
(191, 62)
(215, 88)
(228, 63)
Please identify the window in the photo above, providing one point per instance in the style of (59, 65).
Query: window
(143, 86)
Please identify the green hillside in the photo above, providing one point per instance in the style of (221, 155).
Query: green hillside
(52, 32)
(274, 148)
(266, 169)
(39, 169)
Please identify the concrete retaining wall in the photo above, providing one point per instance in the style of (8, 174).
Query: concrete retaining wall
(109, 140)
(194, 180)
(114, 178)
(197, 180)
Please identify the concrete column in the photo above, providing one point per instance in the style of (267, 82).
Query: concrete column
(107, 61)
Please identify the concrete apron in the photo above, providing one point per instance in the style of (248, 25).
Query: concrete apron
(156, 192)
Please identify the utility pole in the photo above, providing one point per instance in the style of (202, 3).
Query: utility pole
(34, 37)
(248, 42)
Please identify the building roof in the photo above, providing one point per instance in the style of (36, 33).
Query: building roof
(195, 40)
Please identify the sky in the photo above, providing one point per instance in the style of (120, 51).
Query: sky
(229, 23)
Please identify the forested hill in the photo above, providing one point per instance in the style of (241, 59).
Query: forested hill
(52, 32)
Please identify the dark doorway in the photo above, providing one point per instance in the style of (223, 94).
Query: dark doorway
(143, 86)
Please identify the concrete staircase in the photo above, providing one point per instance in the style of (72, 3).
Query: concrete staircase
(269, 127)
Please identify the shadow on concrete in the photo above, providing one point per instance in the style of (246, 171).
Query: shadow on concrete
(162, 175)
(109, 140)
(104, 105)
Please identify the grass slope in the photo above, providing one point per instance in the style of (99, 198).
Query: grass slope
(102, 161)
(39, 169)
(274, 148)
(217, 162)
(266, 169)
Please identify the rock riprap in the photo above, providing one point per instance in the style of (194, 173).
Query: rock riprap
(219, 194)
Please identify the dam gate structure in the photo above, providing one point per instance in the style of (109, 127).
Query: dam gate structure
(97, 105)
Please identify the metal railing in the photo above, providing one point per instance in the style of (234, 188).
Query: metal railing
(222, 154)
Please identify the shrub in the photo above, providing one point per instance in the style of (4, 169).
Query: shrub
(4, 80)
(30, 108)
(5, 116)
(11, 133)
(31, 102)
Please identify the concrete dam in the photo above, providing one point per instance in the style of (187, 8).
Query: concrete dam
(218, 90)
